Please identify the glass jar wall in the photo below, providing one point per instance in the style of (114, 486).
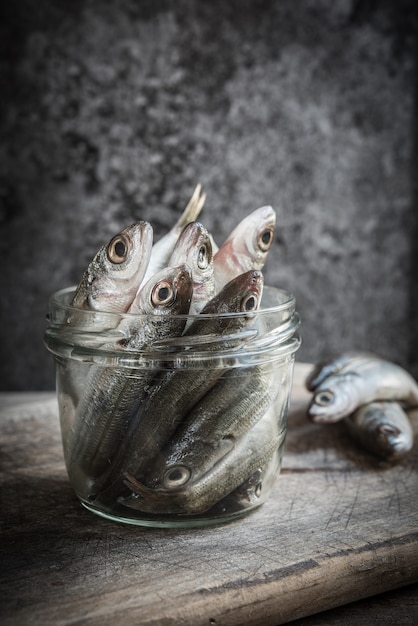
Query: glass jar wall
(188, 431)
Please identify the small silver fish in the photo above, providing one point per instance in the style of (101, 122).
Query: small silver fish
(246, 247)
(210, 430)
(108, 285)
(253, 451)
(111, 279)
(112, 395)
(180, 389)
(383, 428)
(194, 247)
(165, 298)
(357, 381)
(163, 248)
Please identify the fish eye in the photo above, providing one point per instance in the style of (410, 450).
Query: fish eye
(249, 303)
(323, 398)
(265, 239)
(387, 429)
(118, 249)
(162, 294)
(203, 257)
(176, 476)
(258, 489)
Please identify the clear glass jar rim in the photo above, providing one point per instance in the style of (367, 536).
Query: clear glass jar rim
(57, 300)
(86, 335)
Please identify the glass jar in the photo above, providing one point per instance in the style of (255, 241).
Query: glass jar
(186, 432)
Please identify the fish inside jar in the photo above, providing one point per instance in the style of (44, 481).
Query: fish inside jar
(174, 406)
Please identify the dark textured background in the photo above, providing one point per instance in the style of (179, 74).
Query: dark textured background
(112, 111)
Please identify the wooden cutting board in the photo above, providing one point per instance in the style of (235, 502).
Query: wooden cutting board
(338, 527)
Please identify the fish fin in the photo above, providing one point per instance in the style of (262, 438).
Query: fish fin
(327, 367)
(193, 208)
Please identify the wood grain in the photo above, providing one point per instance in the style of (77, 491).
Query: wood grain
(338, 527)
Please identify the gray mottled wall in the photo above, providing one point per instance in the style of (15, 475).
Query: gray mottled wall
(112, 112)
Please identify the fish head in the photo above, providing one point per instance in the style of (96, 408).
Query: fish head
(241, 295)
(252, 290)
(264, 224)
(396, 442)
(176, 476)
(172, 293)
(194, 247)
(168, 291)
(253, 237)
(186, 460)
(159, 310)
(333, 399)
(246, 247)
(391, 439)
(389, 432)
(112, 277)
(143, 498)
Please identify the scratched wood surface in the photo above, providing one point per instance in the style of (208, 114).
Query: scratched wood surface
(338, 527)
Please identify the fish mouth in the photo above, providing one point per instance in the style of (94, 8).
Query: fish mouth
(164, 501)
(146, 493)
(400, 445)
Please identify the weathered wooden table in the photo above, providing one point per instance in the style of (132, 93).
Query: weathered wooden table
(339, 527)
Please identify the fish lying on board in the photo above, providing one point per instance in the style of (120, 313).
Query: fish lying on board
(383, 428)
(358, 380)
(366, 392)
